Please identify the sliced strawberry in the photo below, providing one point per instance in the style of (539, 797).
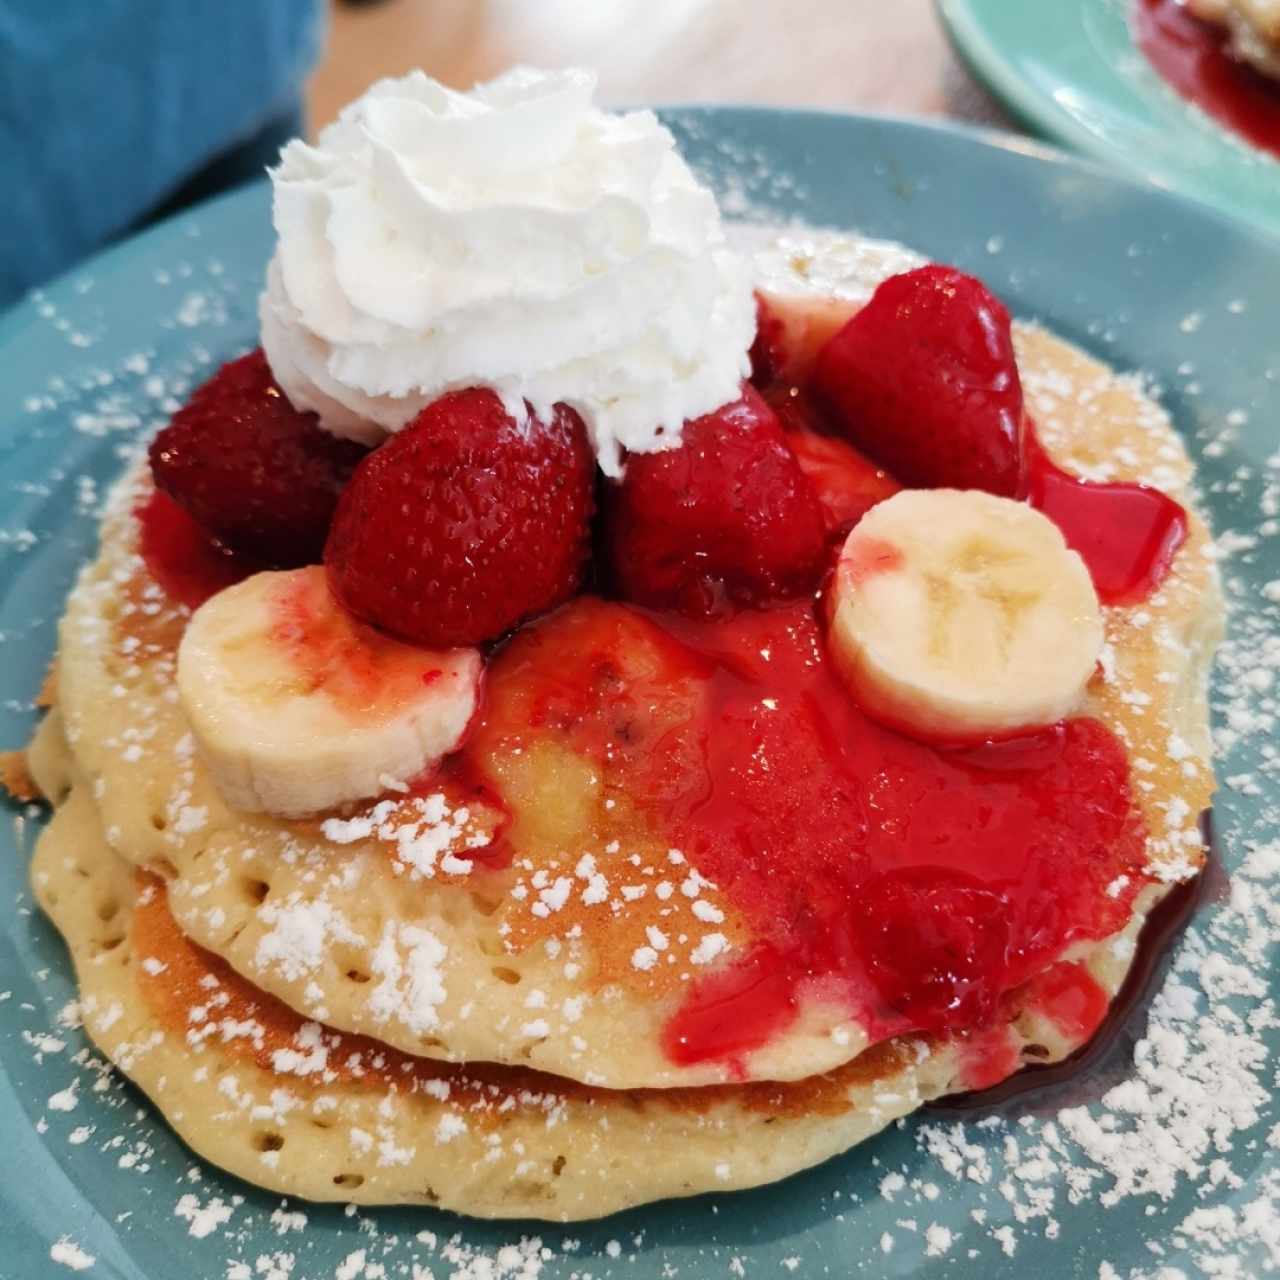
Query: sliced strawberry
(187, 561)
(727, 517)
(465, 523)
(923, 379)
(768, 353)
(250, 469)
(848, 483)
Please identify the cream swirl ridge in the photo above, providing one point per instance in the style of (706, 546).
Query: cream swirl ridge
(515, 237)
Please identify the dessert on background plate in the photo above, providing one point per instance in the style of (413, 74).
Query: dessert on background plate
(1252, 26)
(1143, 86)
(593, 686)
(1223, 56)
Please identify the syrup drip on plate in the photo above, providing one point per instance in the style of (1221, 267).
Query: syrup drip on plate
(1193, 57)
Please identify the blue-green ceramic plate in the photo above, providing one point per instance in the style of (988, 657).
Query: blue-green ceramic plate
(1069, 70)
(1147, 281)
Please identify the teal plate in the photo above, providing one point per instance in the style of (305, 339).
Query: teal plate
(1174, 1159)
(1071, 72)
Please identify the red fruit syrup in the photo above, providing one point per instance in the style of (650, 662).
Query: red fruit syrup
(912, 884)
(1127, 534)
(916, 884)
(1117, 1026)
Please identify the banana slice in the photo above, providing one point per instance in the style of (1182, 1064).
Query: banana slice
(298, 707)
(957, 615)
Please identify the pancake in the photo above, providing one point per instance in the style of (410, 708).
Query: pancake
(538, 932)
(307, 1112)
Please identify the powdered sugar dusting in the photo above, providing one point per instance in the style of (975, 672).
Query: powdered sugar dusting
(426, 832)
(407, 963)
(67, 1253)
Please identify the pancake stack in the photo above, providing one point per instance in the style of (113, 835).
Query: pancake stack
(434, 998)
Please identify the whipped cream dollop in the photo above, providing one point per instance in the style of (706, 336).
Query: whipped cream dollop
(515, 237)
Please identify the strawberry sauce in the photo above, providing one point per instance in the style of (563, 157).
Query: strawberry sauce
(908, 886)
(188, 563)
(1127, 534)
(1070, 997)
(908, 883)
(1108, 1030)
(1194, 58)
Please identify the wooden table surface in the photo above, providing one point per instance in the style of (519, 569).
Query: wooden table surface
(882, 55)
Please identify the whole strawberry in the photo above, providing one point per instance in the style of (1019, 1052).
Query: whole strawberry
(252, 470)
(923, 379)
(728, 517)
(464, 523)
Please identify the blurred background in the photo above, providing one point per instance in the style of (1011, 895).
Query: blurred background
(119, 112)
(885, 55)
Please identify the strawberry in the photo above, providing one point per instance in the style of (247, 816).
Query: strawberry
(464, 523)
(848, 484)
(727, 517)
(767, 351)
(923, 379)
(185, 559)
(251, 469)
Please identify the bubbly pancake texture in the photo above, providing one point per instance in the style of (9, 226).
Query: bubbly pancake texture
(306, 1111)
(556, 927)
